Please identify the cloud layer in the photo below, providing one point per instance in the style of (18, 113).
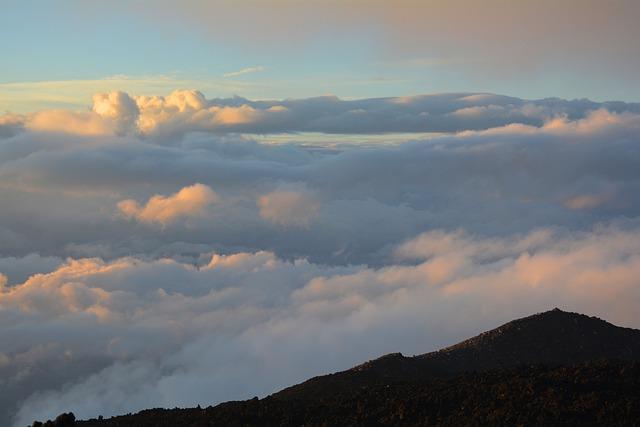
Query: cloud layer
(156, 252)
(186, 111)
(129, 334)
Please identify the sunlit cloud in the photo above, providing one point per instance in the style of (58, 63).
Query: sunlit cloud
(190, 201)
(29, 96)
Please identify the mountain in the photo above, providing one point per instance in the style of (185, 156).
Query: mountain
(552, 368)
(551, 338)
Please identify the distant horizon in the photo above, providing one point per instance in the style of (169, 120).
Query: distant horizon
(81, 101)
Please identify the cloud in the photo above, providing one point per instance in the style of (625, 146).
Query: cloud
(19, 269)
(165, 333)
(117, 106)
(185, 111)
(29, 96)
(112, 113)
(10, 125)
(87, 124)
(289, 207)
(189, 202)
(182, 112)
(365, 245)
(587, 201)
(243, 71)
(505, 179)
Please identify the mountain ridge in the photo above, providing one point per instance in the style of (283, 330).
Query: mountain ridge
(581, 367)
(552, 338)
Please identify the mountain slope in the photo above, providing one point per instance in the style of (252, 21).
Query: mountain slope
(552, 368)
(551, 338)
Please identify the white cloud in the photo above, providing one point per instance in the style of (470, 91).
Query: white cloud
(117, 106)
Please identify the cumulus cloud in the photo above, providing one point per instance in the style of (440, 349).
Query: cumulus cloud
(112, 113)
(289, 207)
(117, 106)
(189, 202)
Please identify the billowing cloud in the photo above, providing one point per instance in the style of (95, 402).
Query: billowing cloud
(505, 179)
(165, 333)
(112, 113)
(289, 207)
(117, 106)
(190, 201)
(365, 245)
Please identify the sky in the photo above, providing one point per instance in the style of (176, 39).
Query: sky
(58, 53)
(209, 201)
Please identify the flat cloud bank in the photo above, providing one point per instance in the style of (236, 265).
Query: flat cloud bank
(185, 111)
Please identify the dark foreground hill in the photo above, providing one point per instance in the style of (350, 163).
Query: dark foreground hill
(553, 368)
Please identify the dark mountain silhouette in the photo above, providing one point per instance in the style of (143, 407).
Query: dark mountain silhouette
(551, 338)
(552, 368)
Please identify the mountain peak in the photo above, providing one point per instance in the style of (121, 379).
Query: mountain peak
(552, 338)
(552, 347)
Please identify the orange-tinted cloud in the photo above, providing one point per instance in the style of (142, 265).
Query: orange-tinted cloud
(188, 202)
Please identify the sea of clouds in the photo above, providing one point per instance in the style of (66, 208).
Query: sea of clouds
(162, 251)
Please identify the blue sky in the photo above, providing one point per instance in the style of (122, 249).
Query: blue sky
(352, 49)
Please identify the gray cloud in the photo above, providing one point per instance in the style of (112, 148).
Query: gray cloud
(62, 192)
(164, 333)
(364, 248)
